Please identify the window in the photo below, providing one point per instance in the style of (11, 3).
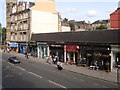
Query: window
(14, 9)
(23, 7)
(27, 5)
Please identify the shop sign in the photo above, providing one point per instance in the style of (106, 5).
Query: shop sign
(71, 48)
(42, 43)
(26, 44)
(32, 44)
(13, 45)
(56, 45)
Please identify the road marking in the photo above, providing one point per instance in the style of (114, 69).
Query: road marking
(35, 74)
(8, 62)
(21, 68)
(57, 84)
(8, 76)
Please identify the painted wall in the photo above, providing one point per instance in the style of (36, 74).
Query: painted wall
(43, 22)
(65, 29)
(115, 20)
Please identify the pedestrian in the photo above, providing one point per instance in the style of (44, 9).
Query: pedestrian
(50, 59)
(54, 60)
(59, 66)
(27, 56)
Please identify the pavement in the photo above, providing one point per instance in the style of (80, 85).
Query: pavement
(98, 74)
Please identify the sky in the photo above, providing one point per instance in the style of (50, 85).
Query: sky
(88, 10)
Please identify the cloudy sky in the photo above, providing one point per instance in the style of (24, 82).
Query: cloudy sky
(88, 10)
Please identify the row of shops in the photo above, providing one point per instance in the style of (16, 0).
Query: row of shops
(87, 55)
(89, 48)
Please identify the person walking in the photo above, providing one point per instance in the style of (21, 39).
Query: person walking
(59, 66)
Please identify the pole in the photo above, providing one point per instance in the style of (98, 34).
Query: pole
(65, 54)
(118, 78)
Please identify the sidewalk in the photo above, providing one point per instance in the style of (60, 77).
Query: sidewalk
(107, 76)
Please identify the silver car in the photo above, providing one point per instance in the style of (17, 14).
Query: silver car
(14, 59)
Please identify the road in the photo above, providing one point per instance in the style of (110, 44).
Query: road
(30, 74)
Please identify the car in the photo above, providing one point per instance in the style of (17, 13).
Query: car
(14, 59)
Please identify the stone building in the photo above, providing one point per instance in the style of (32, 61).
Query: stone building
(9, 4)
(24, 18)
(97, 23)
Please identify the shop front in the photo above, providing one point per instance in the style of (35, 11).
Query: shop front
(95, 56)
(42, 49)
(72, 54)
(14, 47)
(32, 49)
(23, 48)
(115, 57)
(57, 50)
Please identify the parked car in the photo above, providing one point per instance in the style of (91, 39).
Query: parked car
(14, 59)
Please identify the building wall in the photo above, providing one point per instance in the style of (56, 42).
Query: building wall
(115, 20)
(9, 4)
(65, 29)
(20, 26)
(43, 22)
(45, 5)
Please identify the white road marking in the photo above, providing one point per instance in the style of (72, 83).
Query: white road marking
(21, 68)
(35, 74)
(8, 62)
(11, 64)
(57, 84)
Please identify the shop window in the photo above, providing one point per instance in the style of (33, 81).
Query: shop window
(117, 60)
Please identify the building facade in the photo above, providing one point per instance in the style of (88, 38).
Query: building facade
(115, 19)
(89, 48)
(26, 18)
(98, 23)
(9, 4)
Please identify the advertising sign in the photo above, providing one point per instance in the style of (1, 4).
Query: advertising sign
(71, 48)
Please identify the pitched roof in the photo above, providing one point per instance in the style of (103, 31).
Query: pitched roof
(101, 22)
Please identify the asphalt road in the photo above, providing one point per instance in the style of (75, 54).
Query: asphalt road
(30, 74)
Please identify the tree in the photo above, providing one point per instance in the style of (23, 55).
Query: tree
(72, 26)
(2, 34)
(101, 27)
